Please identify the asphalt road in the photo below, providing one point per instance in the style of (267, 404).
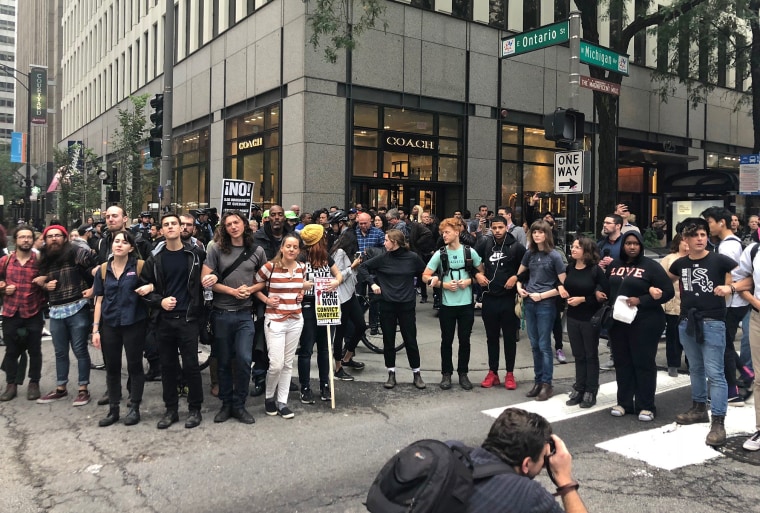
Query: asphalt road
(56, 459)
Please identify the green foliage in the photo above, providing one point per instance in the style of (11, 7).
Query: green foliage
(79, 190)
(335, 21)
(711, 37)
(9, 180)
(134, 180)
(650, 239)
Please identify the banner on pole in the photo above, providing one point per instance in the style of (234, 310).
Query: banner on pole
(327, 304)
(237, 195)
(17, 146)
(38, 95)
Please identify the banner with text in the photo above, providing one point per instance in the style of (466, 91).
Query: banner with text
(38, 95)
(237, 195)
(18, 147)
(328, 306)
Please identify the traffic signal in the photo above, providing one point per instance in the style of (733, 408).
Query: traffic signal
(157, 118)
(157, 132)
(564, 126)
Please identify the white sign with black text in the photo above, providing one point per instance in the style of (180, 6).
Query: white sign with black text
(568, 172)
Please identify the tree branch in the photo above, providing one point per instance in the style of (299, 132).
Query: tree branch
(658, 18)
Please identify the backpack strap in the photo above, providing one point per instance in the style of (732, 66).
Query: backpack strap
(444, 267)
(103, 271)
(752, 255)
(487, 470)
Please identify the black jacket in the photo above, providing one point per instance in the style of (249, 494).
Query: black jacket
(264, 238)
(633, 279)
(500, 262)
(394, 272)
(153, 272)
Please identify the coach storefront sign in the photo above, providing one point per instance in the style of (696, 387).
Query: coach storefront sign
(411, 143)
(38, 95)
(250, 145)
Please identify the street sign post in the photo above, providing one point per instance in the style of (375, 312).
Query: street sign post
(542, 37)
(595, 55)
(570, 173)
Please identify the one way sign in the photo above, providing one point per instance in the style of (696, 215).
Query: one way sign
(569, 172)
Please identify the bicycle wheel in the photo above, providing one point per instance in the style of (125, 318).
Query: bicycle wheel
(204, 356)
(375, 342)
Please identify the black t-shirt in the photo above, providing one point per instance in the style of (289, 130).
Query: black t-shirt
(174, 264)
(315, 272)
(697, 280)
(584, 282)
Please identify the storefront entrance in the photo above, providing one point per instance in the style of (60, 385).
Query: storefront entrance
(404, 157)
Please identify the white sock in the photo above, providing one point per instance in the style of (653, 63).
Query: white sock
(391, 369)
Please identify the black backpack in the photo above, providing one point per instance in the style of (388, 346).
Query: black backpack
(428, 476)
(445, 268)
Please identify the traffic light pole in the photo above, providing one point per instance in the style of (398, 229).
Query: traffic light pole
(573, 212)
(164, 177)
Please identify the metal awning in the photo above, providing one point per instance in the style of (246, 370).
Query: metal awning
(645, 158)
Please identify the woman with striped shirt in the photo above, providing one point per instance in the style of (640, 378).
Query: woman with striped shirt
(283, 277)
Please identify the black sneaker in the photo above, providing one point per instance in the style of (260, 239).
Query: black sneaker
(342, 375)
(353, 364)
(271, 407)
(307, 397)
(374, 331)
(285, 413)
(324, 392)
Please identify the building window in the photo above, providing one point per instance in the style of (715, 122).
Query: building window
(252, 152)
(527, 166)
(190, 172)
(461, 9)
(497, 13)
(406, 157)
(531, 14)
(423, 4)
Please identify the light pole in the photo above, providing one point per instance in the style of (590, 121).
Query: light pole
(28, 181)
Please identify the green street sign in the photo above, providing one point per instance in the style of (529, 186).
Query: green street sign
(542, 37)
(595, 55)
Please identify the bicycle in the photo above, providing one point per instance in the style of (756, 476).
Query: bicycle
(375, 342)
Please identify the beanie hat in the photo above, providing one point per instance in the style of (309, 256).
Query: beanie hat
(312, 233)
(55, 227)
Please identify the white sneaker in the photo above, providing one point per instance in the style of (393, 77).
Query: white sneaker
(608, 365)
(46, 332)
(752, 443)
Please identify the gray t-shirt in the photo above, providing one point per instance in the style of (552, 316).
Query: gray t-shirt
(243, 275)
(544, 270)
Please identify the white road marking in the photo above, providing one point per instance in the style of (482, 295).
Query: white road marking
(668, 447)
(555, 409)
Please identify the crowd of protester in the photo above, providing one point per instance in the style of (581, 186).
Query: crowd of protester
(245, 283)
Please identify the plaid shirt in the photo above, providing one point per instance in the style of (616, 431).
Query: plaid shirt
(374, 238)
(28, 299)
(73, 270)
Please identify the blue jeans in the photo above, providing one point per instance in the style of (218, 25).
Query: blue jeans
(706, 363)
(73, 330)
(539, 319)
(233, 341)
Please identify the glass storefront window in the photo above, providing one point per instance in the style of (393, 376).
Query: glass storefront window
(402, 120)
(407, 157)
(190, 173)
(510, 134)
(449, 126)
(368, 138)
(535, 137)
(252, 152)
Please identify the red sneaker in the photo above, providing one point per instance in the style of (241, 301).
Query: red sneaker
(491, 379)
(509, 381)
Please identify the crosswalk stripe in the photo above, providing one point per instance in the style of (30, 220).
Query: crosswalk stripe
(555, 410)
(669, 447)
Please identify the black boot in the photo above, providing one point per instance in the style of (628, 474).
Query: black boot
(133, 416)
(113, 416)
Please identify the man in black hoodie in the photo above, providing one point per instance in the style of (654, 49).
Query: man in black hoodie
(502, 255)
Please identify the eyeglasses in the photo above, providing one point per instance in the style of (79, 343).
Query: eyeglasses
(54, 236)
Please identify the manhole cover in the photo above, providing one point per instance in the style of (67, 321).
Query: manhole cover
(733, 449)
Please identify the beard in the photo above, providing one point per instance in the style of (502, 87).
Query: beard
(54, 250)
(185, 236)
